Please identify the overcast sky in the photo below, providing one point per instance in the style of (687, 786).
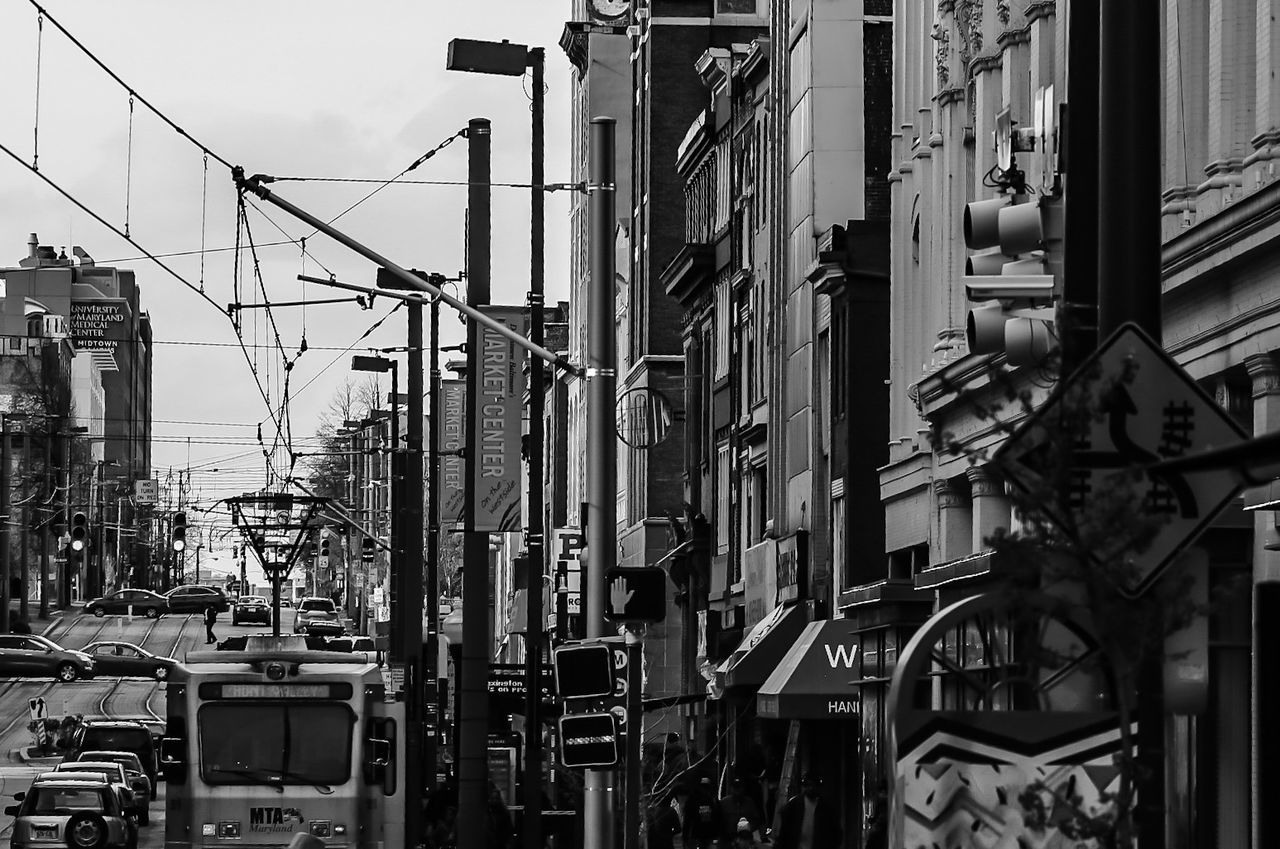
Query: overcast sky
(314, 88)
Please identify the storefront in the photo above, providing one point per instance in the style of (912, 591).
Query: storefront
(816, 689)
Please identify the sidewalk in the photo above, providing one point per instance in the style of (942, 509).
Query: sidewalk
(46, 625)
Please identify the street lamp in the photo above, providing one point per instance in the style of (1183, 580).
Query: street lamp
(383, 365)
(507, 59)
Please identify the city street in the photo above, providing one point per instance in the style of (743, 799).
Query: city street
(117, 698)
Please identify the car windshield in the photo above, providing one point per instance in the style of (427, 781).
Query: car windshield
(60, 800)
(275, 743)
(253, 599)
(318, 605)
(111, 774)
(131, 739)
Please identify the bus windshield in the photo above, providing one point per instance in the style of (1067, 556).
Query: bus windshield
(275, 743)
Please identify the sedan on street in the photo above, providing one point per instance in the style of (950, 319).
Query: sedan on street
(251, 608)
(197, 599)
(33, 656)
(130, 602)
(127, 660)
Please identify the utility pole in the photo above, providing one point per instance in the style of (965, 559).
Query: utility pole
(24, 464)
(473, 723)
(535, 621)
(5, 482)
(1129, 289)
(46, 524)
(430, 673)
(602, 448)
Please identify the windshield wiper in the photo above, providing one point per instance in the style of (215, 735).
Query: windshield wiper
(256, 776)
(304, 779)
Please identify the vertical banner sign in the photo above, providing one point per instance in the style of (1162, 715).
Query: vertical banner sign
(452, 435)
(499, 426)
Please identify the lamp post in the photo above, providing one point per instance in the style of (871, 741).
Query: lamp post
(506, 59)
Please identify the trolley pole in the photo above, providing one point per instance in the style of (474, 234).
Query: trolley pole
(430, 673)
(602, 449)
(473, 721)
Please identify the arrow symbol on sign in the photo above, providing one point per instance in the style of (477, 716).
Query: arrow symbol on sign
(619, 595)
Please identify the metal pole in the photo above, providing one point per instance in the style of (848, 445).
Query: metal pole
(5, 521)
(473, 723)
(430, 673)
(532, 816)
(24, 609)
(410, 589)
(602, 470)
(47, 492)
(1129, 289)
(1078, 313)
(635, 737)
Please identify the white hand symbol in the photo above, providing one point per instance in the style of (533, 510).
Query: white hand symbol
(619, 595)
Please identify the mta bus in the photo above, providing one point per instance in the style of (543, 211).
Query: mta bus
(274, 740)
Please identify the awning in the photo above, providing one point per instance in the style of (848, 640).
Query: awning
(763, 648)
(818, 678)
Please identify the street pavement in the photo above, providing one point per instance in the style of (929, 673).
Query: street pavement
(116, 698)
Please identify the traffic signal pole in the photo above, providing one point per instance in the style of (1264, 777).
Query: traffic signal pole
(602, 469)
(473, 722)
(535, 620)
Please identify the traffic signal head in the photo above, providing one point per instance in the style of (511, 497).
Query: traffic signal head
(1016, 283)
(179, 531)
(588, 740)
(584, 670)
(367, 549)
(79, 531)
(324, 548)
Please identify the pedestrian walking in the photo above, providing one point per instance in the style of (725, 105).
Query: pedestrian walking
(808, 820)
(736, 806)
(210, 619)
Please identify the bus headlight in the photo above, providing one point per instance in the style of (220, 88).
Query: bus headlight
(229, 829)
(321, 828)
(339, 829)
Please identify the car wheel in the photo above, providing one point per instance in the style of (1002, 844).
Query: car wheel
(86, 830)
(99, 611)
(153, 613)
(67, 672)
(161, 673)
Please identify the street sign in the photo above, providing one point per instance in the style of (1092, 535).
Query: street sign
(509, 679)
(635, 594)
(146, 491)
(1151, 410)
(588, 740)
(37, 708)
(583, 670)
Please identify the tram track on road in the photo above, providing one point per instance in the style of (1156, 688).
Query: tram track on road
(104, 702)
(45, 688)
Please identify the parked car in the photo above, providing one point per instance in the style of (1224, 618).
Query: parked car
(318, 616)
(194, 598)
(143, 792)
(116, 777)
(125, 659)
(129, 602)
(60, 811)
(33, 656)
(251, 608)
(117, 735)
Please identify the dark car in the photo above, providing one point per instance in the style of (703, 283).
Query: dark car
(129, 602)
(33, 656)
(117, 735)
(251, 608)
(197, 599)
(142, 790)
(126, 659)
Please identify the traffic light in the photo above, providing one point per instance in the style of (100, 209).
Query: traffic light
(179, 531)
(79, 531)
(367, 549)
(588, 740)
(584, 670)
(1015, 284)
(324, 548)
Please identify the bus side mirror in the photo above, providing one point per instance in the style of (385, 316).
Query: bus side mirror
(11, 810)
(379, 752)
(172, 751)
